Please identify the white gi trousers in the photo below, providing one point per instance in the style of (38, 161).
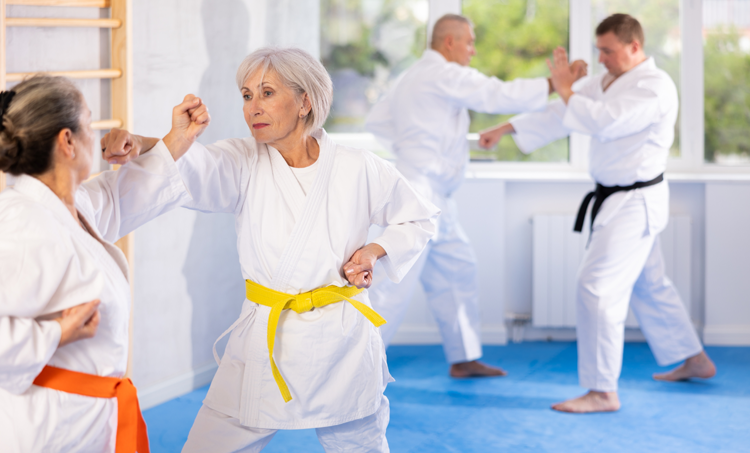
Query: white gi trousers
(447, 270)
(214, 432)
(624, 260)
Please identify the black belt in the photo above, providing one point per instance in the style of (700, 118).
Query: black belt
(601, 193)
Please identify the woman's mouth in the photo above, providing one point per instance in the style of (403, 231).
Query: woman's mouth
(259, 125)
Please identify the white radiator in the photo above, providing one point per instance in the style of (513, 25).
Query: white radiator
(557, 254)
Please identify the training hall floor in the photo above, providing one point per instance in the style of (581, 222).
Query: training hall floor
(431, 412)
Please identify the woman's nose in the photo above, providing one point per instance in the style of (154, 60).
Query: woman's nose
(254, 108)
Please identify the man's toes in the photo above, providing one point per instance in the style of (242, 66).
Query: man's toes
(562, 407)
(475, 369)
(678, 374)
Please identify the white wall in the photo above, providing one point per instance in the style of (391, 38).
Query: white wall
(188, 286)
(32, 49)
(727, 263)
(496, 214)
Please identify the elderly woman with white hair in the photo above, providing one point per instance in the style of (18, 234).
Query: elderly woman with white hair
(306, 351)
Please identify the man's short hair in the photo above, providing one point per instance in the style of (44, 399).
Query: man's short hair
(624, 26)
(445, 26)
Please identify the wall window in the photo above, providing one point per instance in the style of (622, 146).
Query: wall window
(660, 20)
(365, 45)
(726, 78)
(514, 39)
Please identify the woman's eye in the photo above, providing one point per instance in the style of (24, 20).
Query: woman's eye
(268, 93)
(246, 97)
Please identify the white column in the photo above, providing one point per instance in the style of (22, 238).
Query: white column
(691, 89)
(581, 36)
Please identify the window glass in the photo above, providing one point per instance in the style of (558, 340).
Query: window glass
(365, 45)
(660, 20)
(726, 57)
(514, 39)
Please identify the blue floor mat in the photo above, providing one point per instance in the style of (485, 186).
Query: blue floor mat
(431, 412)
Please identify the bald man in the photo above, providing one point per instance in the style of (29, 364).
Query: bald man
(424, 119)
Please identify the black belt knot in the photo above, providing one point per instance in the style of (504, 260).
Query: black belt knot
(601, 193)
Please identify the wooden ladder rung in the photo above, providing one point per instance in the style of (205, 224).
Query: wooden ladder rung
(91, 74)
(90, 3)
(39, 22)
(105, 124)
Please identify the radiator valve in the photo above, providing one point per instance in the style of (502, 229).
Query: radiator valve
(517, 322)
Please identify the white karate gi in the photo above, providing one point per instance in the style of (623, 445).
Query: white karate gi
(332, 357)
(49, 263)
(631, 125)
(424, 119)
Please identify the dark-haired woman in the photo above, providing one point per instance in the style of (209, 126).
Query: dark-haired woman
(64, 291)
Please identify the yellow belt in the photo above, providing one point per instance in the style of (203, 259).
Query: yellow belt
(301, 303)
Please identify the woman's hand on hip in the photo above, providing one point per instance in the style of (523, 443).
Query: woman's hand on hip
(358, 270)
(189, 120)
(79, 322)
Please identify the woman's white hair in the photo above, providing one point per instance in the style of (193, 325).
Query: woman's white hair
(299, 71)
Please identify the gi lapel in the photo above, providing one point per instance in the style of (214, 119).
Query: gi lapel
(105, 254)
(286, 182)
(112, 250)
(624, 81)
(312, 207)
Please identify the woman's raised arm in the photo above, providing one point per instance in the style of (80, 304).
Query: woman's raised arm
(149, 183)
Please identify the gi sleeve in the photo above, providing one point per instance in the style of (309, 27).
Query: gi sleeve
(475, 91)
(33, 261)
(136, 193)
(213, 175)
(534, 130)
(408, 219)
(26, 346)
(630, 112)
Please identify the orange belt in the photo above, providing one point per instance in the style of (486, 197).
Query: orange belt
(131, 429)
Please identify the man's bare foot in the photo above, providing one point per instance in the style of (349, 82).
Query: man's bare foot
(475, 368)
(593, 401)
(699, 366)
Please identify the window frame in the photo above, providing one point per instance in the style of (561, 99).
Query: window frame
(692, 140)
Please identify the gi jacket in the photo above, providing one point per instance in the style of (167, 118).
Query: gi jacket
(49, 263)
(631, 126)
(424, 118)
(332, 358)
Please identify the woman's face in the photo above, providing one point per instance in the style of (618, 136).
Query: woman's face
(84, 145)
(272, 110)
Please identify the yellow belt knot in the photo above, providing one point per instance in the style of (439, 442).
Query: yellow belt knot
(304, 302)
(301, 303)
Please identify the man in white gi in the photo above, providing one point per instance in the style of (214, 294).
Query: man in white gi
(630, 113)
(424, 120)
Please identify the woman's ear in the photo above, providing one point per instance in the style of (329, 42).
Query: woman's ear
(64, 144)
(306, 106)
